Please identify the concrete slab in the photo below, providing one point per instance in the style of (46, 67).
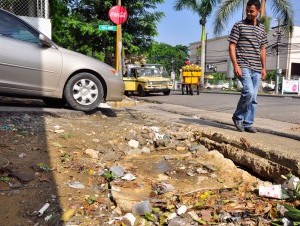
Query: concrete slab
(273, 151)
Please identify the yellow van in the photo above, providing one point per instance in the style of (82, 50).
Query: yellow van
(145, 80)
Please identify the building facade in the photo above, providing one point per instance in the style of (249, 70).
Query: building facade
(287, 54)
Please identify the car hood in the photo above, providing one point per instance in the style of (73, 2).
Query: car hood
(78, 61)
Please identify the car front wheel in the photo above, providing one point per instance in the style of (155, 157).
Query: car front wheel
(141, 91)
(84, 92)
(167, 92)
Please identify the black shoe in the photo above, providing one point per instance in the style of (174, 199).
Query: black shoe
(238, 125)
(250, 129)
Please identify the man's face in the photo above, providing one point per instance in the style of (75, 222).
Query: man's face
(252, 12)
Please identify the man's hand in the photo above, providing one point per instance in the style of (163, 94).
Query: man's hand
(236, 68)
(237, 71)
(263, 62)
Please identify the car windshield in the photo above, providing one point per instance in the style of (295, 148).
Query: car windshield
(13, 28)
(149, 72)
(160, 67)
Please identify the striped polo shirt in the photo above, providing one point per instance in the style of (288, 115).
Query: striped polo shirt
(248, 39)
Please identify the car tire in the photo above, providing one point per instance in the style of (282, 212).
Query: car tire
(84, 92)
(141, 92)
(167, 92)
(54, 102)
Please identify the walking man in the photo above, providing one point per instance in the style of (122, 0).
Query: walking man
(247, 42)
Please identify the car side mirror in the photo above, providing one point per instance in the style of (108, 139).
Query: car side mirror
(44, 40)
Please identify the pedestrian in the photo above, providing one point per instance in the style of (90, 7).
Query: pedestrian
(187, 61)
(247, 49)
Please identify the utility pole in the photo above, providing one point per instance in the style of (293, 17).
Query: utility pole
(119, 60)
(278, 34)
(202, 23)
(244, 9)
(205, 52)
(173, 73)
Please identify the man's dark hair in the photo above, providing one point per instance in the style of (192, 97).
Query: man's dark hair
(254, 2)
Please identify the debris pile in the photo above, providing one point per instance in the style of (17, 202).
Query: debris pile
(125, 170)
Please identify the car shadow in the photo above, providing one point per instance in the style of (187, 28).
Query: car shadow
(39, 105)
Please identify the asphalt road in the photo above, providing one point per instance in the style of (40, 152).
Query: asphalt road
(281, 108)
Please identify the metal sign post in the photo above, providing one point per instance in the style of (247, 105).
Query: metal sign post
(230, 74)
(118, 14)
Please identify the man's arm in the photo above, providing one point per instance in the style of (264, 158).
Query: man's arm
(263, 57)
(236, 68)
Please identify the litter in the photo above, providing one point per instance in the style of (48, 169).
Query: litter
(273, 191)
(43, 209)
(128, 177)
(76, 184)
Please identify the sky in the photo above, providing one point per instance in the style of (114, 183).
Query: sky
(183, 28)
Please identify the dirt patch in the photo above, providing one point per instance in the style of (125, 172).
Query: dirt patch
(64, 160)
(41, 153)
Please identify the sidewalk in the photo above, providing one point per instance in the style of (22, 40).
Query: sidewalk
(238, 93)
(279, 128)
(271, 152)
(270, 126)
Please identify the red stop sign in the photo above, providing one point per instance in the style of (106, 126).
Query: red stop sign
(118, 14)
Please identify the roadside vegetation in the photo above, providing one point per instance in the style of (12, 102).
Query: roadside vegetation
(75, 26)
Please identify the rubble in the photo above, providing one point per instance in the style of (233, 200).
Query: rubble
(102, 170)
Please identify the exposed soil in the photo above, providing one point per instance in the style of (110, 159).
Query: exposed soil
(56, 144)
(42, 155)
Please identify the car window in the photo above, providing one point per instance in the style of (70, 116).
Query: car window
(149, 72)
(14, 28)
(140, 72)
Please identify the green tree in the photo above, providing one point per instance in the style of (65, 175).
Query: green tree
(75, 25)
(165, 54)
(217, 76)
(141, 28)
(282, 10)
(203, 8)
(74, 31)
(271, 75)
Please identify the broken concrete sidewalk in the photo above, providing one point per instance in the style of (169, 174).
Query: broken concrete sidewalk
(271, 152)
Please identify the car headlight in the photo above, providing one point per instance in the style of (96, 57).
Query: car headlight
(149, 83)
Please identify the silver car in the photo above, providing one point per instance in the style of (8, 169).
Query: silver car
(31, 65)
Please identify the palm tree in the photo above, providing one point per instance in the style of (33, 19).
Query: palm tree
(282, 10)
(203, 8)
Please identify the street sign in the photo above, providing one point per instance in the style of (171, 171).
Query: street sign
(118, 14)
(107, 28)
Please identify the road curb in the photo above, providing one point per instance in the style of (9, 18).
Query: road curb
(266, 154)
